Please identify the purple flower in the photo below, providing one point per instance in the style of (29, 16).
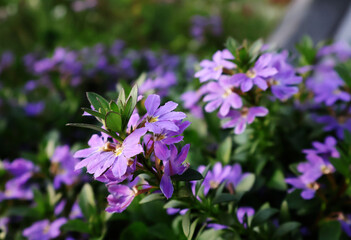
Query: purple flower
(173, 166)
(217, 226)
(327, 148)
(44, 230)
(166, 137)
(243, 212)
(18, 187)
(120, 197)
(345, 222)
(34, 109)
(213, 69)
(161, 83)
(339, 125)
(161, 118)
(63, 166)
(283, 85)
(191, 98)
(221, 94)
(308, 186)
(172, 211)
(103, 155)
(341, 49)
(257, 75)
(235, 176)
(19, 167)
(314, 168)
(239, 120)
(215, 177)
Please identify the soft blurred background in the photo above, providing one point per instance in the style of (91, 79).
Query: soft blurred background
(53, 51)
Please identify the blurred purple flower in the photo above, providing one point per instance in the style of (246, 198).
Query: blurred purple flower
(44, 230)
(221, 94)
(257, 75)
(243, 212)
(34, 108)
(239, 119)
(63, 166)
(214, 69)
(174, 165)
(326, 149)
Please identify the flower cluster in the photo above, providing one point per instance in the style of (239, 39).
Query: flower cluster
(329, 85)
(234, 83)
(147, 145)
(317, 165)
(201, 24)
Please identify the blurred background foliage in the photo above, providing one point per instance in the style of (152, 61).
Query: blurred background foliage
(27, 25)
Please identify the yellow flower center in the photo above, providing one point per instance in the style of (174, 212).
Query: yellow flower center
(214, 184)
(251, 73)
(314, 186)
(218, 68)
(118, 151)
(227, 92)
(325, 169)
(152, 119)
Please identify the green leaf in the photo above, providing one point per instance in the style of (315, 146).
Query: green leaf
(186, 223)
(114, 107)
(135, 231)
(344, 73)
(232, 45)
(94, 113)
(173, 204)
(121, 101)
(246, 184)
(225, 197)
(113, 121)
(210, 234)
(152, 197)
(86, 201)
(76, 225)
(329, 230)
(90, 126)
(262, 216)
(224, 150)
(97, 101)
(192, 229)
(277, 181)
(189, 175)
(285, 229)
(341, 165)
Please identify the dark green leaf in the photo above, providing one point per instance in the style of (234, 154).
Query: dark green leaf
(114, 107)
(224, 150)
(246, 184)
(341, 165)
(121, 101)
(225, 197)
(285, 229)
(344, 73)
(86, 201)
(232, 45)
(262, 216)
(174, 204)
(94, 113)
(90, 126)
(113, 121)
(192, 229)
(152, 197)
(76, 225)
(98, 102)
(329, 230)
(189, 175)
(186, 223)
